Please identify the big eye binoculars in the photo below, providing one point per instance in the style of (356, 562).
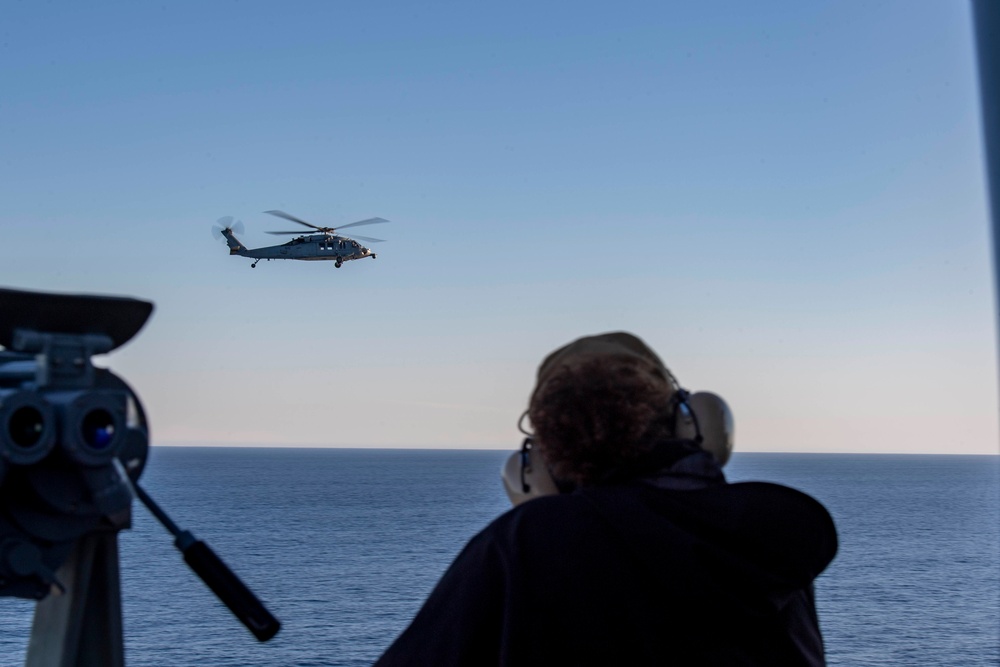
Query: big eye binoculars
(73, 443)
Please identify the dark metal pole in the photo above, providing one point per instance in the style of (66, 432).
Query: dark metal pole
(986, 22)
(986, 19)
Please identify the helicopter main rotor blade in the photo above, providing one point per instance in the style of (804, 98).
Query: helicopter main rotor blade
(369, 221)
(360, 238)
(292, 218)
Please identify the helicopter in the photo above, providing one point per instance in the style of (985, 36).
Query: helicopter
(326, 245)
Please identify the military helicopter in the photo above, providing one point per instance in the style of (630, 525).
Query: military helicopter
(326, 245)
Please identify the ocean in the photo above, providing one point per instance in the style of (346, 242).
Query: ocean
(343, 546)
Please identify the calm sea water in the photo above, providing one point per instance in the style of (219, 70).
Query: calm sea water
(343, 545)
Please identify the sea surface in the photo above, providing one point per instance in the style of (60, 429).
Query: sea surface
(343, 546)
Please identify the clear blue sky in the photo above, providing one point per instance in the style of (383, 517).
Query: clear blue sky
(785, 199)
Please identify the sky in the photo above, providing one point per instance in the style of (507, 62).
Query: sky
(785, 199)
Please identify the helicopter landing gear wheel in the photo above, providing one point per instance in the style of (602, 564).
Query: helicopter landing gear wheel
(337, 265)
(338, 262)
(254, 265)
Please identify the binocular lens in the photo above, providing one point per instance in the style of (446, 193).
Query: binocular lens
(26, 426)
(98, 429)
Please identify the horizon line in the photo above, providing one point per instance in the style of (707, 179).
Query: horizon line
(227, 445)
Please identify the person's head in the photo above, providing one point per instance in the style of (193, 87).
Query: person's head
(601, 402)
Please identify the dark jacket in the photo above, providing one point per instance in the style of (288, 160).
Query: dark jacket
(633, 574)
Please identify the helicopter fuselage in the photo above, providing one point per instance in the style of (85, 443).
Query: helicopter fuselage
(309, 247)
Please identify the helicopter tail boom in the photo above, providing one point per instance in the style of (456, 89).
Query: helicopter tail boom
(235, 247)
(224, 229)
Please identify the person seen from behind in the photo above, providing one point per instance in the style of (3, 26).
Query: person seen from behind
(627, 546)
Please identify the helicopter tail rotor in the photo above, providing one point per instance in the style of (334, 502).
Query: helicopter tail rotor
(226, 224)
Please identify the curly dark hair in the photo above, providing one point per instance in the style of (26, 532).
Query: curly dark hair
(596, 415)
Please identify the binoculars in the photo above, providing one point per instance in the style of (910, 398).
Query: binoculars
(73, 443)
(73, 437)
